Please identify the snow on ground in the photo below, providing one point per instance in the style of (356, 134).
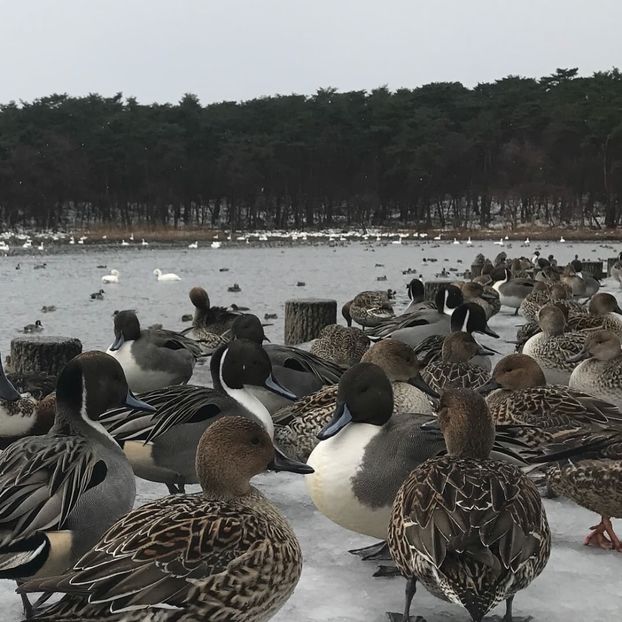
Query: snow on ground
(579, 583)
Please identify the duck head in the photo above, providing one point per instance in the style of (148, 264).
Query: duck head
(199, 298)
(126, 328)
(364, 395)
(399, 362)
(515, 372)
(469, 317)
(603, 303)
(416, 292)
(551, 320)
(461, 347)
(602, 345)
(232, 451)
(248, 326)
(447, 298)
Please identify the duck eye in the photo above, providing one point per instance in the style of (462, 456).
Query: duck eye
(255, 440)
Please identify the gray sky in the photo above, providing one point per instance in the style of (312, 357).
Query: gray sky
(157, 50)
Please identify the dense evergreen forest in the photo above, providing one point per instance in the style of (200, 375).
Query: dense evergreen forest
(518, 150)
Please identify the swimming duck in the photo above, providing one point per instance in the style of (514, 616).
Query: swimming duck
(60, 491)
(354, 483)
(522, 397)
(113, 277)
(300, 423)
(161, 447)
(340, 344)
(455, 368)
(512, 291)
(370, 308)
(169, 276)
(600, 372)
(433, 536)
(37, 327)
(151, 359)
(552, 348)
(235, 556)
(98, 295)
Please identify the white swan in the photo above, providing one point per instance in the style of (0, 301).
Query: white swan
(143, 243)
(456, 242)
(215, 244)
(166, 277)
(469, 243)
(124, 243)
(113, 277)
(193, 245)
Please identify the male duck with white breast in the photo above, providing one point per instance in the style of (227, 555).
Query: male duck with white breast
(223, 554)
(60, 491)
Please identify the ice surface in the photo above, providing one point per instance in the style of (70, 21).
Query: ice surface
(579, 583)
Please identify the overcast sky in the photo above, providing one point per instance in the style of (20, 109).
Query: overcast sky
(157, 50)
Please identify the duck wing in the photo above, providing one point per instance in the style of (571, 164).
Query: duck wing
(172, 340)
(41, 480)
(300, 360)
(156, 553)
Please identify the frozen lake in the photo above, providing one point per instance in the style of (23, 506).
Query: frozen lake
(579, 583)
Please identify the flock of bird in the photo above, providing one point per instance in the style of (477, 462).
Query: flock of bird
(402, 428)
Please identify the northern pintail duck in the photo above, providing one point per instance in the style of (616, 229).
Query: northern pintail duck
(600, 372)
(299, 424)
(552, 348)
(210, 325)
(513, 291)
(521, 397)
(365, 453)
(161, 447)
(341, 344)
(152, 358)
(455, 368)
(225, 553)
(446, 300)
(434, 536)
(60, 491)
(37, 327)
(604, 313)
(574, 281)
(416, 294)
(369, 308)
(486, 297)
(300, 371)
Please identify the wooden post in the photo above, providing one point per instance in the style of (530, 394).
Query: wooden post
(42, 355)
(595, 268)
(306, 317)
(431, 287)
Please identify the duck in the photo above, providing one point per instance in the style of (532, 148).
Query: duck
(161, 447)
(37, 327)
(603, 313)
(521, 396)
(553, 348)
(416, 294)
(369, 308)
(574, 281)
(616, 272)
(152, 358)
(353, 483)
(76, 478)
(300, 371)
(599, 371)
(211, 325)
(299, 424)
(113, 277)
(340, 344)
(468, 317)
(193, 244)
(170, 276)
(455, 368)
(512, 291)
(98, 295)
(48, 309)
(433, 536)
(236, 556)
(447, 298)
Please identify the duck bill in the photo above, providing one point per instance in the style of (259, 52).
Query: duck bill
(491, 385)
(7, 391)
(340, 420)
(618, 310)
(582, 356)
(117, 343)
(485, 351)
(419, 383)
(281, 462)
(488, 331)
(131, 401)
(272, 384)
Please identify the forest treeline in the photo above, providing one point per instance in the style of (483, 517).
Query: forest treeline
(519, 150)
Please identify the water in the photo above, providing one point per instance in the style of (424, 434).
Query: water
(334, 585)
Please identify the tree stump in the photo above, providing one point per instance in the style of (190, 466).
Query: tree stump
(306, 317)
(431, 287)
(42, 355)
(594, 268)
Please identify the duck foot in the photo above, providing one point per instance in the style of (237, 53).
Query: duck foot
(598, 536)
(387, 571)
(375, 552)
(398, 617)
